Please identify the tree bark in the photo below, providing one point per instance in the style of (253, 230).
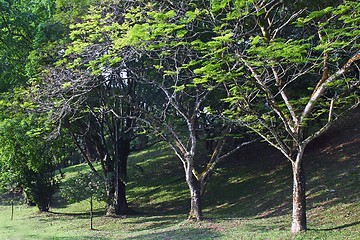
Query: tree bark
(110, 193)
(299, 198)
(121, 205)
(110, 175)
(195, 201)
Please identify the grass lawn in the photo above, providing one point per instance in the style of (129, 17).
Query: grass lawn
(249, 197)
(28, 224)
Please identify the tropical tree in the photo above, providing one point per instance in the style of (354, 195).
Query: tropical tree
(21, 24)
(93, 97)
(293, 76)
(28, 159)
(171, 42)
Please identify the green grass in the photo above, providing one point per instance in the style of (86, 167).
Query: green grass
(249, 197)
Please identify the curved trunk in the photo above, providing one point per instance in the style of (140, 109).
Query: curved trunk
(299, 198)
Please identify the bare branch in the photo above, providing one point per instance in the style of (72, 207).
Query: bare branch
(322, 87)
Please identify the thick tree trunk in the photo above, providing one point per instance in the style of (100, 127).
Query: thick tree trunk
(195, 202)
(299, 198)
(108, 168)
(110, 193)
(121, 205)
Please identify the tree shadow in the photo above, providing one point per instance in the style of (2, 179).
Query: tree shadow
(81, 238)
(254, 182)
(333, 164)
(155, 222)
(250, 185)
(336, 228)
(82, 215)
(189, 233)
(260, 186)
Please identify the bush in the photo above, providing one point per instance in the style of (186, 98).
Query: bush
(40, 186)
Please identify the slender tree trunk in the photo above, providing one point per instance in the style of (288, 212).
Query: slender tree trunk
(12, 209)
(91, 212)
(195, 201)
(299, 198)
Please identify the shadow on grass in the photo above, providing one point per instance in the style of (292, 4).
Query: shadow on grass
(250, 185)
(189, 233)
(81, 238)
(255, 182)
(260, 185)
(81, 215)
(154, 222)
(336, 228)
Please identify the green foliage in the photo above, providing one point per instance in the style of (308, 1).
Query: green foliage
(21, 26)
(27, 161)
(288, 51)
(276, 60)
(70, 11)
(39, 185)
(218, 5)
(256, 50)
(339, 25)
(27, 158)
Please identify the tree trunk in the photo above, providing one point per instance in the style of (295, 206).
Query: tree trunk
(121, 205)
(108, 168)
(91, 212)
(299, 198)
(12, 209)
(110, 193)
(195, 193)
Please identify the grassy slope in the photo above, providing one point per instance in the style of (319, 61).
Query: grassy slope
(249, 197)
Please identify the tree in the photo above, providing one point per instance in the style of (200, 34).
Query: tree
(27, 156)
(85, 186)
(20, 26)
(295, 80)
(171, 43)
(92, 97)
(28, 160)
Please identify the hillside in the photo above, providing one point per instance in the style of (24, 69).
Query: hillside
(248, 197)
